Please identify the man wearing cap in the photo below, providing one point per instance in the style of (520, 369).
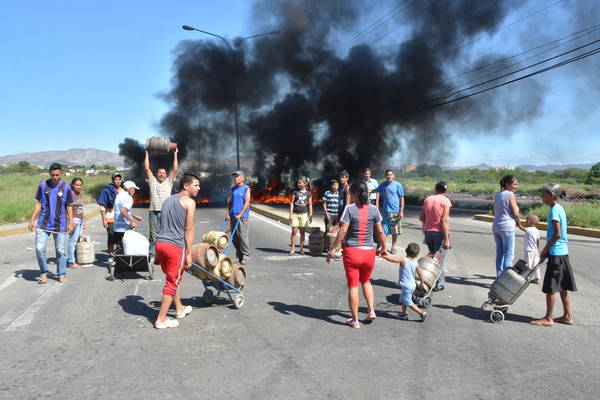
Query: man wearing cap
(106, 201)
(238, 210)
(160, 187)
(124, 218)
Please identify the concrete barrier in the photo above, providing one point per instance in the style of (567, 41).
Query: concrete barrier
(23, 228)
(573, 230)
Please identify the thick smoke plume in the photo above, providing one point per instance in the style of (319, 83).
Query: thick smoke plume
(305, 102)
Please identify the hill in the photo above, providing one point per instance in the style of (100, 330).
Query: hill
(85, 157)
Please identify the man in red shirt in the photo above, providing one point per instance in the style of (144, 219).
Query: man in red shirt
(435, 216)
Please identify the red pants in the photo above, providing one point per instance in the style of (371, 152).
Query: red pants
(171, 259)
(358, 264)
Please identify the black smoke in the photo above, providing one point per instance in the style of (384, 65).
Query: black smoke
(306, 102)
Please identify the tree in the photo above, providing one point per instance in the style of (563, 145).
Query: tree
(593, 177)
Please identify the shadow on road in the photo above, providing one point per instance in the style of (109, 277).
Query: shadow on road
(135, 306)
(27, 274)
(470, 281)
(309, 312)
(477, 313)
(384, 283)
(269, 250)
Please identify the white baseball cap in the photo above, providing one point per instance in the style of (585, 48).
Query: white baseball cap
(130, 184)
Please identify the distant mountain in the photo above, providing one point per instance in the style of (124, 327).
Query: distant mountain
(85, 157)
(529, 167)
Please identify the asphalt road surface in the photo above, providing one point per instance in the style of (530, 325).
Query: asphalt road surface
(92, 338)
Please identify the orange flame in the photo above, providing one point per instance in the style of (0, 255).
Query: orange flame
(273, 194)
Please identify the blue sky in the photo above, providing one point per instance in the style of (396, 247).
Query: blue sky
(79, 74)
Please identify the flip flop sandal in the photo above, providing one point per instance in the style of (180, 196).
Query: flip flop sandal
(370, 318)
(41, 281)
(352, 323)
(169, 323)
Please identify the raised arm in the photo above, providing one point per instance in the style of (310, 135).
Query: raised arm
(175, 163)
(147, 169)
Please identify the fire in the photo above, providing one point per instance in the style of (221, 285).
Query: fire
(276, 193)
(202, 201)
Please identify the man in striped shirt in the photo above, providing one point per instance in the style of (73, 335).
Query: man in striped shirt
(331, 204)
(53, 198)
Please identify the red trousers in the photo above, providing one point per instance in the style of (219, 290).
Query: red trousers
(358, 264)
(171, 259)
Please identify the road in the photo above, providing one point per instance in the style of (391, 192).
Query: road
(92, 338)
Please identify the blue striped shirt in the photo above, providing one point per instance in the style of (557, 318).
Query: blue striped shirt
(54, 201)
(332, 202)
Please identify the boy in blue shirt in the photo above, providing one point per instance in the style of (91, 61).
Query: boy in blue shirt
(408, 268)
(559, 273)
(392, 208)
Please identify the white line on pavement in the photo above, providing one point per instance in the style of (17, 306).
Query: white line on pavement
(8, 281)
(23, 320)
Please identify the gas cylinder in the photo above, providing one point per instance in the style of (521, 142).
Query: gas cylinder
(506, 287)
(160, 145)
(430, 269)
(85, 251)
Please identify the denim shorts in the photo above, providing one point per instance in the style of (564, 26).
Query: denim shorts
(406, 296)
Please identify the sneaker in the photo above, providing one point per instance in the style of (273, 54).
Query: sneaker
(352, 323)
(186, 311)
(423, 316)
(403, 317)
(169, 323)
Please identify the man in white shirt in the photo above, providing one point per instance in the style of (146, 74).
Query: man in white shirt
(160, 187)
(124, 218)
(372, 186)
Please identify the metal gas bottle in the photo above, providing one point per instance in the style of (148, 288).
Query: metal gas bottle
(216, 238)
(205, 255)
(85, 251)
(430, 270)
(225, 266)
(161, 145)
(315, 242)
(506, 287)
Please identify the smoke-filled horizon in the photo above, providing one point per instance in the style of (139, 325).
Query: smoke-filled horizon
(304, 103)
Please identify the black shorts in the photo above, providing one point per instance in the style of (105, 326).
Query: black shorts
(110, 232)
(559, 275)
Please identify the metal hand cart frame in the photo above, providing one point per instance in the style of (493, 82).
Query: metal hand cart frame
(130, 263)
(422, 298)
(498, 310)
(237, 298)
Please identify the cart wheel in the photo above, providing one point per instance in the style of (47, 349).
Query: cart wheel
(238, 300)
(208, 297)
(496, 316)
(426, 302)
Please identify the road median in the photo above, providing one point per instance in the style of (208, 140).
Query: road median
(573, 230)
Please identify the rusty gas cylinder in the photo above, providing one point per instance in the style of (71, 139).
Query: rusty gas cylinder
(160, 145)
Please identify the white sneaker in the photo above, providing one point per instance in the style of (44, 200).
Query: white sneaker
(169, 323)
(186, 311)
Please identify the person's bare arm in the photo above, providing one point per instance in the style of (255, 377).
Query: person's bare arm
(446, 227)
(292, 206)
(71, 226)
(338, 241)
(128, 217)
(422, 215)
(380, 237)
(190, 210)
(175, 163)
(399, 260)
(310, 208)
(325, 209)
(401, 207)
(36, 211)
(377, 199)
(228, 211)
(512, 202)
(552, 240)
(246, 204)
(347, 197)
(147, 169)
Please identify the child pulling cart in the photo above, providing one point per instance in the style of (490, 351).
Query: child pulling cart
(432, 270)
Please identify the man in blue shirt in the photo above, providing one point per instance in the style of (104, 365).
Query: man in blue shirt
(392, 195)
(371, 185)
(238, 210)
(53, 200)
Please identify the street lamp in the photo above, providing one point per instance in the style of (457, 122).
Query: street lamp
(235, 98)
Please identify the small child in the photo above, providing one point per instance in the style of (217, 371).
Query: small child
(408, 268)
(532, 244)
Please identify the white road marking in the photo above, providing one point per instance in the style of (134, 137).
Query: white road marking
(283, 258)
(8, 281)
(137, 285)
(20, 324)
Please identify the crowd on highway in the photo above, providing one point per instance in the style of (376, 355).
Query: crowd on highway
(362, 213)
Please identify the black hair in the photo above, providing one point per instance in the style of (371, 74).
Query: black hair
(441, 187)
(117, 175)
(76, 180)
(412, 250)
(344, 173)
(507, 180)
(390, 170)
(188, 179)
(54, 166)
(366, 169)
(359, 189)
(331, 182)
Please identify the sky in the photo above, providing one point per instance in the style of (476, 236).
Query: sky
(86, 74)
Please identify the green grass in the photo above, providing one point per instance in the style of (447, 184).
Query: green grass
(585, 214)
(17, 191)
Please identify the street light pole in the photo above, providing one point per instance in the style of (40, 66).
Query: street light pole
(232, 52)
